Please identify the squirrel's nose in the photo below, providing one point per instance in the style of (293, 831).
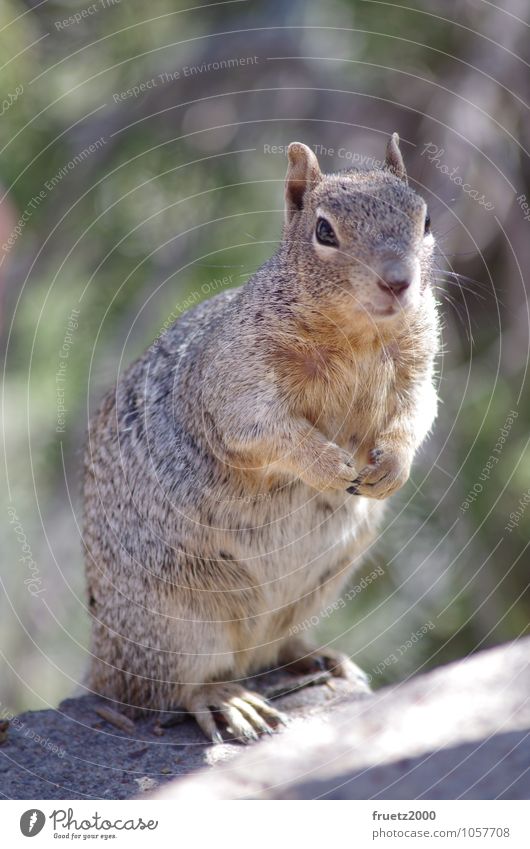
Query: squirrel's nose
(395, 277)
(394, 286)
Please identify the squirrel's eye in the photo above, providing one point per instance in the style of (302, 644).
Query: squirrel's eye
(427, 223)
(325, 234)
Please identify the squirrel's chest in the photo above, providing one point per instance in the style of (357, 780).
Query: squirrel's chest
(307, 539)
(358, 407)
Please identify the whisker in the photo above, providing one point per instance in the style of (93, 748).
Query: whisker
(458, 253)
(457, 307)
(445, 282)
(460, 276)
(455, 279)
(440, 236)
(450, 281)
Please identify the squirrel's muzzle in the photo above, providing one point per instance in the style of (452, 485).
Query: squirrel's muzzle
(395, 277)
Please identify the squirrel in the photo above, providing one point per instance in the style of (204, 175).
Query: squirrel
(237, 472)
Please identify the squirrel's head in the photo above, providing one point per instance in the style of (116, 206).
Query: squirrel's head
(361, 236)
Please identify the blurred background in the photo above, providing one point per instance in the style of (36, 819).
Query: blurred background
(141, 169)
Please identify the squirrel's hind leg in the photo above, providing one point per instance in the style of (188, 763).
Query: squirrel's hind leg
(298, 658)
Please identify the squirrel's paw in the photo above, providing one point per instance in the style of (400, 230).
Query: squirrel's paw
(246, 714)
(328, 660)
(387, 473)
(332, 468)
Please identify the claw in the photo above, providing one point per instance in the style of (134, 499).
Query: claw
(206, 722)
(240, 727)
(282, 718)
(246, 714)
(263, 707)
(249, 736)
(252, 715)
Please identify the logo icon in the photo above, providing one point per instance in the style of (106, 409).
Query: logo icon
(31, 822)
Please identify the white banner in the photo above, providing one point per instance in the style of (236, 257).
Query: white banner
(305, 824)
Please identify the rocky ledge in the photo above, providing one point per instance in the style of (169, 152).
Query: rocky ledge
(461, 731)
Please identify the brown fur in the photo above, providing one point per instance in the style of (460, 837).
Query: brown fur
(217, 511)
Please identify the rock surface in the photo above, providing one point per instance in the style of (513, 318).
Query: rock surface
(461, 731)
(73, 753)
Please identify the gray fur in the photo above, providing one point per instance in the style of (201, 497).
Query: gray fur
(217, 510)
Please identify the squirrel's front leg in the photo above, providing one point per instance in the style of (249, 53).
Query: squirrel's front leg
(391, 457)
(317, 461)
(295, 446)
(388, 471)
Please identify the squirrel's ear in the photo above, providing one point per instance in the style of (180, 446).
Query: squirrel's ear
(302, 174)
(393, 159)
